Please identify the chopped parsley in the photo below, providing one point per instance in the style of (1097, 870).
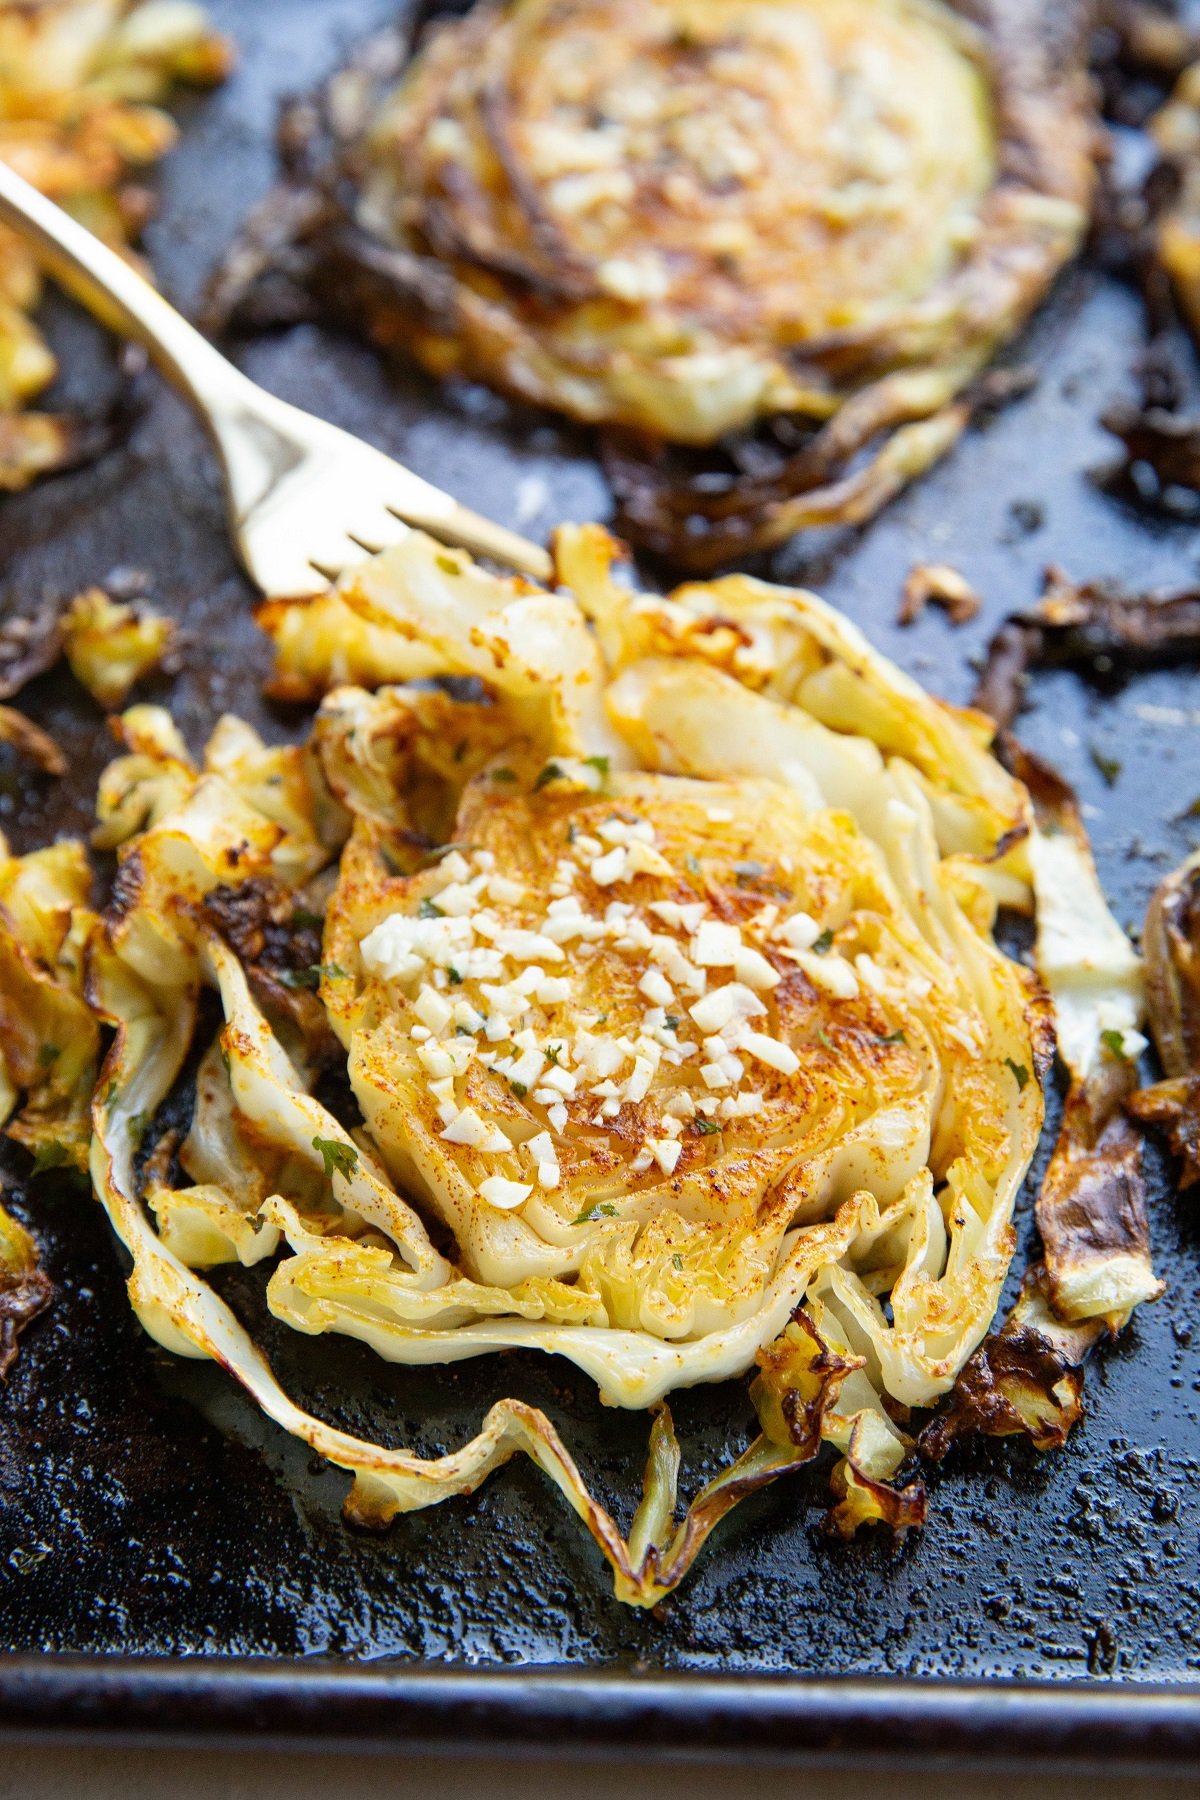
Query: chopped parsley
(599, 1210)
(1107, 767)
(825, 942)
(138, 1124)
(553, 1052)
(677, 1260)
(551, 772)
(1020, 1072)
(824, 1038)
(1114, 1043)
(506, 775)
(705, 1127)
(302, 978)
(519, 1088)
(672, 1021)
(50, 1156)
(47, 1054)
(336, 1156)
(334, 972)
(601, 765)
(428, 909)
(894, 1037)
(455, 979)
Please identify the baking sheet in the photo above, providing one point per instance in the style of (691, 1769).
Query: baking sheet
(147, 1510)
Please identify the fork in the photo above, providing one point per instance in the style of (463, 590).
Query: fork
(306, 500)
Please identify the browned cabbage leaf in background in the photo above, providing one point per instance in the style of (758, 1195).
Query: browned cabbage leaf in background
(650, 215)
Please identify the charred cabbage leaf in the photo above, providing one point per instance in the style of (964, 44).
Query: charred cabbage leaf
(1172, 949)
(25, 1290)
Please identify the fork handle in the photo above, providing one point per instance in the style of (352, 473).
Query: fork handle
(250, 427)
(120, 297)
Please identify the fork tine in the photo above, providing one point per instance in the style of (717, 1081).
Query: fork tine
(483, 537)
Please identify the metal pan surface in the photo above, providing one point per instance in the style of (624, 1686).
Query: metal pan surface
(148, 1513)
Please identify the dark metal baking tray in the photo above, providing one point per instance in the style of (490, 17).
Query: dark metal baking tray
(153, 1526)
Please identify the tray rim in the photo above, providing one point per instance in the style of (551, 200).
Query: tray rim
(914, 1722)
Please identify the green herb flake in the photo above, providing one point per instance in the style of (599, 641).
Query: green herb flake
(1019, 1071)
(138, 1125)
(692, 865)
(336, 1156)
(894, 1037)
(50, 1156)
(505, 775)
(302, 978)
(519, 1088)
(48, 1054)
(304, 920)
(705, 1127)
(550, 773)
(428, 909)
(553, 1052)
(672, 1021)
(824, 943)
(824, 1038)
(454, 978)
(1107, 767)
(601, 765)
(599, 1210)
(677, 1260)
(334, 972)
(1114, 1043)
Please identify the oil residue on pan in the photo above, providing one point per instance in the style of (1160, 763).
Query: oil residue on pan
(146, 1506)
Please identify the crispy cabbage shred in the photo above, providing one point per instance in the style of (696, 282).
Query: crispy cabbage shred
(80, 83)
(655, 936)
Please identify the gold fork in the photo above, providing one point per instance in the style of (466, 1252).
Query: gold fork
(306, 499)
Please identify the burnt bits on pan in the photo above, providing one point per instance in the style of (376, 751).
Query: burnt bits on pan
(1084, 625)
